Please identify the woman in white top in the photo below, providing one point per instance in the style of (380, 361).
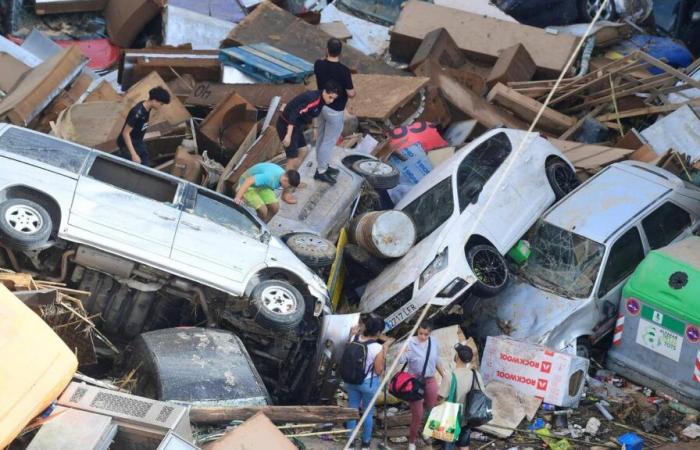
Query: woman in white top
(361, 394)
(418, 358)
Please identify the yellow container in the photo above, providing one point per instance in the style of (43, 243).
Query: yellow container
(35, 366)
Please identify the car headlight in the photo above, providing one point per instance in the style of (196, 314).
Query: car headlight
(438, 264)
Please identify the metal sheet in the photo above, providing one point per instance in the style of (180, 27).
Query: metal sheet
(184, 26)
(679, 131)
(19, 53)
(367, 37)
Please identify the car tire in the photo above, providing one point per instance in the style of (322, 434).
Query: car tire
(584, 348)
(24, 224)
(588, 8)
(277, 305)
(378, 174)
(561, 178)
(314, 251)
(371, 265)
(490, 269)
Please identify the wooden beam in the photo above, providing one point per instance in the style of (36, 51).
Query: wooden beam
(277, 414)
(646, 111)
(475, 106)
(528, 108)
(665, 67)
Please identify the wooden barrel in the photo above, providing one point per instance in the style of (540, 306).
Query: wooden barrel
(385, 234)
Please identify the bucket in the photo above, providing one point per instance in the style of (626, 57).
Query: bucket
(384, 234)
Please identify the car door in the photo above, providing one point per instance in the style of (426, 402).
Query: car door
(484, 195)
(218, 237)
(626, 252)
(124, 207)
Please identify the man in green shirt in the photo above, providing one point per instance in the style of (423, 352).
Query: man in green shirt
(257, 188)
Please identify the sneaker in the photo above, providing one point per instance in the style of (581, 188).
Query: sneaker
(411, 446)
(365, 446)
(332, 171)
(325, 177)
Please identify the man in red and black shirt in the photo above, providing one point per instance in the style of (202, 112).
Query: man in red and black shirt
(296, 115)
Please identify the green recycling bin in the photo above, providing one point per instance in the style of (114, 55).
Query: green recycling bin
(656, 341)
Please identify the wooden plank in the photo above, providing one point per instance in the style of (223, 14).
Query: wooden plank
(271, 24)
(211, 94)
(528, 108)
(379, 96)
(104, 92)
(475, 106)
(337, 29)
(588, 157)
(42, 7)
(513, 64)
(266, 147)
(480, 37)
(646, 111)
(277, 414)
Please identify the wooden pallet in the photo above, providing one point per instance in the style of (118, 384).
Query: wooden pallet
(267, 63)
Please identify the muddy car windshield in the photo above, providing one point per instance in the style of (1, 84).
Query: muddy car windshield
(562, 262)
(431, 209)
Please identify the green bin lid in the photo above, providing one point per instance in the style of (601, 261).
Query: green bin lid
(670, 279)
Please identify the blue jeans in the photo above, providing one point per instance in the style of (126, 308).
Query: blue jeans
(361, 394)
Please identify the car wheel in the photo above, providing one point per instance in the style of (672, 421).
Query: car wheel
(490, 269)
(370, 265)
(314, 251)
(277, 305)
(583, 347)
(589, 8)
(561, 178)
(24, 225)
(378, 174)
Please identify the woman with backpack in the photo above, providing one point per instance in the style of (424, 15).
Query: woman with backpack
(422, 360)
(464, 374)
(363, 361)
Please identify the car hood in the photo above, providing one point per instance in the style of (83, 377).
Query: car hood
(522, 312)
(404, 271)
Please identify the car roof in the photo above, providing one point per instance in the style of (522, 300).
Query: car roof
(605, 203)
(449, 166)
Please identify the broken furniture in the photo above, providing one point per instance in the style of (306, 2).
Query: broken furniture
(42, 7)
(478, 36)
(231, 127)
(168, 63)
(126, 18)
(266, 63)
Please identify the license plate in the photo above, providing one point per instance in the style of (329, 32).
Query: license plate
(399, 316)
(659, 339)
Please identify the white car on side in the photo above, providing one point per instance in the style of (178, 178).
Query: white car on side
(469, 212)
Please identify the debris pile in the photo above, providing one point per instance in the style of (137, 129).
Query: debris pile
(205, 204)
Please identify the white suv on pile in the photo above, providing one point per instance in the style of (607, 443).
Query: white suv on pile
(149, 246)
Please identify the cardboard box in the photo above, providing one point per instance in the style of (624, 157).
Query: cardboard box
(556, 378)
(126, 18)
(39, 86)
(12, 71)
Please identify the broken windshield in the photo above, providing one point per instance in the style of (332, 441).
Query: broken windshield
(431, 209)
(562, 262)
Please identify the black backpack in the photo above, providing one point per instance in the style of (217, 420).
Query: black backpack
(354, 360)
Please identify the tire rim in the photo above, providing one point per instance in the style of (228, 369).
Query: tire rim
(279, 300)
(373, 167)
(592, 7)
(24, 219)
(488, 268)
(311, 244)
(565, 179)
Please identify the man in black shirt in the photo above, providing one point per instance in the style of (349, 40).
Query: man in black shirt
(296, 115)
(130, 139)
(331, 120)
